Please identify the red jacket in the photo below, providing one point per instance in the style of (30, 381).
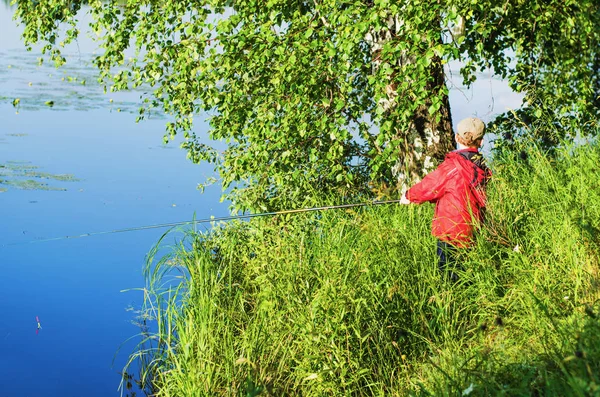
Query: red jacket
(457, 187)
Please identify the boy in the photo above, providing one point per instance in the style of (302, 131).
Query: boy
(457, 187)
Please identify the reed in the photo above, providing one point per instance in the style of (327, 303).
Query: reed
(351, 302)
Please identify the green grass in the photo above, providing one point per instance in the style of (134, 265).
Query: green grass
(351, 303)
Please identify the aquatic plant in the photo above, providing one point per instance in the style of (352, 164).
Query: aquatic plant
(74, 87)
(15, 172)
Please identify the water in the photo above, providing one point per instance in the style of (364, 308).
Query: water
(122, 177)
(125, 178)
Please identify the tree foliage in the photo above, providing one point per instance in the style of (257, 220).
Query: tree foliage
(304, 96)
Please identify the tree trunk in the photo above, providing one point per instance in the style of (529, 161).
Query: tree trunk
(425, 141)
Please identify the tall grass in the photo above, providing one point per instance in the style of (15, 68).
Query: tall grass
(351, 302)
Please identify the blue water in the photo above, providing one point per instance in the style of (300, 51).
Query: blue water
(125, 178)
(74, 285)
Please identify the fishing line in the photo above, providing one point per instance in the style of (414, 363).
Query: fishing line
(207, 220)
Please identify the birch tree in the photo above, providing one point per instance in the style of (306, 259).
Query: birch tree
(330, 96)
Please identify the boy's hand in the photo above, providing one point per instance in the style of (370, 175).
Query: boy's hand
(404, 200)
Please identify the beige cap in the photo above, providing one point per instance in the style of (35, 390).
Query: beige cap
(470, 129)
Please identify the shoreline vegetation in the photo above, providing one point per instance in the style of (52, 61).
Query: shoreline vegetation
(351, 302)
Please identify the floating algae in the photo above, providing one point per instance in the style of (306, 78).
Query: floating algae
(19, 176)
(30, 85)
(15, 162)
(30, 184)
(56, 177)
(14, 169)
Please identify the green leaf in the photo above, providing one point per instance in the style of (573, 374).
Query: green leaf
(292, 88)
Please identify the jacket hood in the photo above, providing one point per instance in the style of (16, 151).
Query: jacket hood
(467, 159)
(471, 165)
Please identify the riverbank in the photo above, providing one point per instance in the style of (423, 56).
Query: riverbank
(351, 303)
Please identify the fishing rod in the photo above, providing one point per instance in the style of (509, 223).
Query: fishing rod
(207, 220)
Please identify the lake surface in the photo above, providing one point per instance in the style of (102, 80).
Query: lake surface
(125, 178)
(120, 176)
